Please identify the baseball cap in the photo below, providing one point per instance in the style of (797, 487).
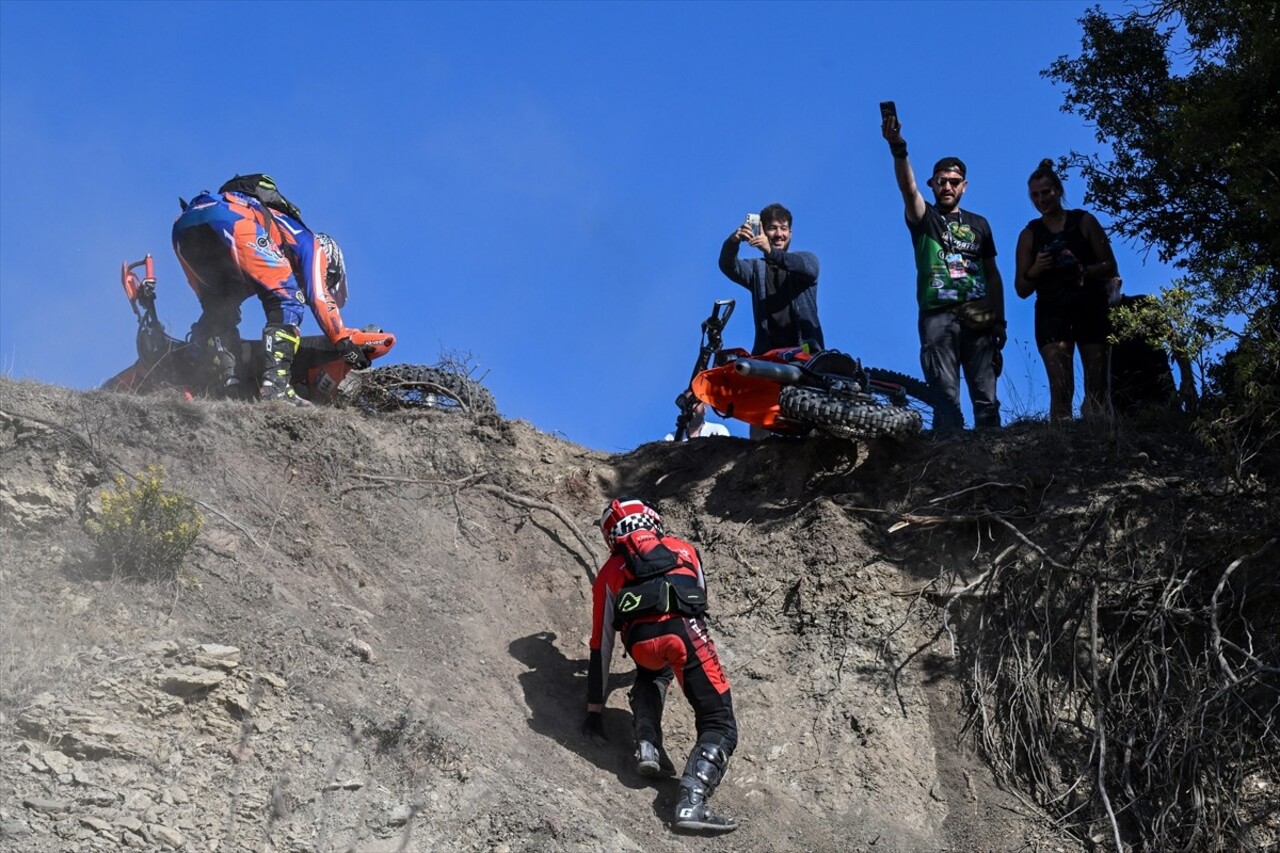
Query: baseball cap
(950, 164)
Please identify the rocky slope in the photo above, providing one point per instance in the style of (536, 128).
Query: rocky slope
(379, 640)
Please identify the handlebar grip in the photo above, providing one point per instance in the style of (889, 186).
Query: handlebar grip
(786, 374)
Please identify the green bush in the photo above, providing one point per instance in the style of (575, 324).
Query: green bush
(144, 531)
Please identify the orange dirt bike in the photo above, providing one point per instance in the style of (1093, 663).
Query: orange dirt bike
(794, 391)
(319, 373)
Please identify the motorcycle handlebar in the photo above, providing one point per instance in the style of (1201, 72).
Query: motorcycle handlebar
(786, 374)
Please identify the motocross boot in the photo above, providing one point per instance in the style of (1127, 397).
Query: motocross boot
(281, 344)
(652, 760)
(702, 773)
(221, 351)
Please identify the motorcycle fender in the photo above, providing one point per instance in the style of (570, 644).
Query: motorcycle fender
(747, 398)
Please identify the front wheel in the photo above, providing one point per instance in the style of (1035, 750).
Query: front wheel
(413, 386)
(861, 417)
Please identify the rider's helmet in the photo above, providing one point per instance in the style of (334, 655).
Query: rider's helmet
(627, 515)
(335, 275)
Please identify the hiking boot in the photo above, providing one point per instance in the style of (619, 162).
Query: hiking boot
(652, 760)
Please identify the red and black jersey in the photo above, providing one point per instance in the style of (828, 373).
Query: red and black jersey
(616, 574)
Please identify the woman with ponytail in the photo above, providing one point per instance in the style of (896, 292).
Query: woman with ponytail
(1065, 259)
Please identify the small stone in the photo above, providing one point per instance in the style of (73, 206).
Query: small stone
(190, 680)
(399, 815)
(60, 764)
(14, 829)
(213, 655)
(274, 680)
(97, 824)
(130, 823)
(38, 804)
(166, 835)
(345, 785)
(98, 797)
(162, 648)
(361, 649)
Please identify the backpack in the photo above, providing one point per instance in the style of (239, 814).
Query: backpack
(1140, 372)
(653, 592)
(263, 188)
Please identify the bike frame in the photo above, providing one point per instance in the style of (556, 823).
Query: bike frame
(712, 340)
(318, 367)
(737, 384)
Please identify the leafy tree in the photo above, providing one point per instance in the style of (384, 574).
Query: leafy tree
(1186, 93)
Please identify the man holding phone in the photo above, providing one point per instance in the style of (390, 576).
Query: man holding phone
(959, 290)
(783, 284)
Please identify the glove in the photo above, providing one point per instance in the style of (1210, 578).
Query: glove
(352, 354)
(593, 728)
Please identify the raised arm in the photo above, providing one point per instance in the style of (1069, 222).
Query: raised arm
(891, 129)
(735, 270)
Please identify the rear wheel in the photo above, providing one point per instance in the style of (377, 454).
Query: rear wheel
(905, 391)
(859, 417)
(413, 386)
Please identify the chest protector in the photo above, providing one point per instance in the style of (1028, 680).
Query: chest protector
(657, 588)
(264, 190)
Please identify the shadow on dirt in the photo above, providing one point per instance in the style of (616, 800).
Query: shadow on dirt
(555, 691)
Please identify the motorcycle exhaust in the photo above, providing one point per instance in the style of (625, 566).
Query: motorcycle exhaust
(786, 374)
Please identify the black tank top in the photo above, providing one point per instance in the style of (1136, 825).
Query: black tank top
(1063, 280)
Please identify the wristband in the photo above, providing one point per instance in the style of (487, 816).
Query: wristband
(898, 150)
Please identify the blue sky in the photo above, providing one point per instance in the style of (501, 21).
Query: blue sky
(542, 185)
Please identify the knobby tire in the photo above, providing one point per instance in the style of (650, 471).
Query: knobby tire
(414, 386)
(848, 418)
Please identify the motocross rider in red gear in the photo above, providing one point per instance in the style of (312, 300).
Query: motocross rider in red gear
(652, 590)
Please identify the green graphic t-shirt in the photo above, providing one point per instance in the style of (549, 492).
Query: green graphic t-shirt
(950, 250)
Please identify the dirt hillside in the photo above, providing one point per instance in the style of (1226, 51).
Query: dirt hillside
(379, 640)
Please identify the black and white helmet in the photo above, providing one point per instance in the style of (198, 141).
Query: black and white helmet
(335, 274)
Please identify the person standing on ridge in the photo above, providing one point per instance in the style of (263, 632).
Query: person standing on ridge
(249, 240)
(1065, 259)
(959, 290)
(652, 590)
(783, 285)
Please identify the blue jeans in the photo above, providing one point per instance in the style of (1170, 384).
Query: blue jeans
(946, 348)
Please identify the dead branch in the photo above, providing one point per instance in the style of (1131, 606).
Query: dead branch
(207, 507)
(991, 485)
(530, 503)
(473, 481)
(1213, 607)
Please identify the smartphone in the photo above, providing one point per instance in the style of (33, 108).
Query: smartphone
(753, 220)
(888, 110)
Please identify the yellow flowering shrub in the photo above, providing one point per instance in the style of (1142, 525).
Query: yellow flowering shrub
(143, 530)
